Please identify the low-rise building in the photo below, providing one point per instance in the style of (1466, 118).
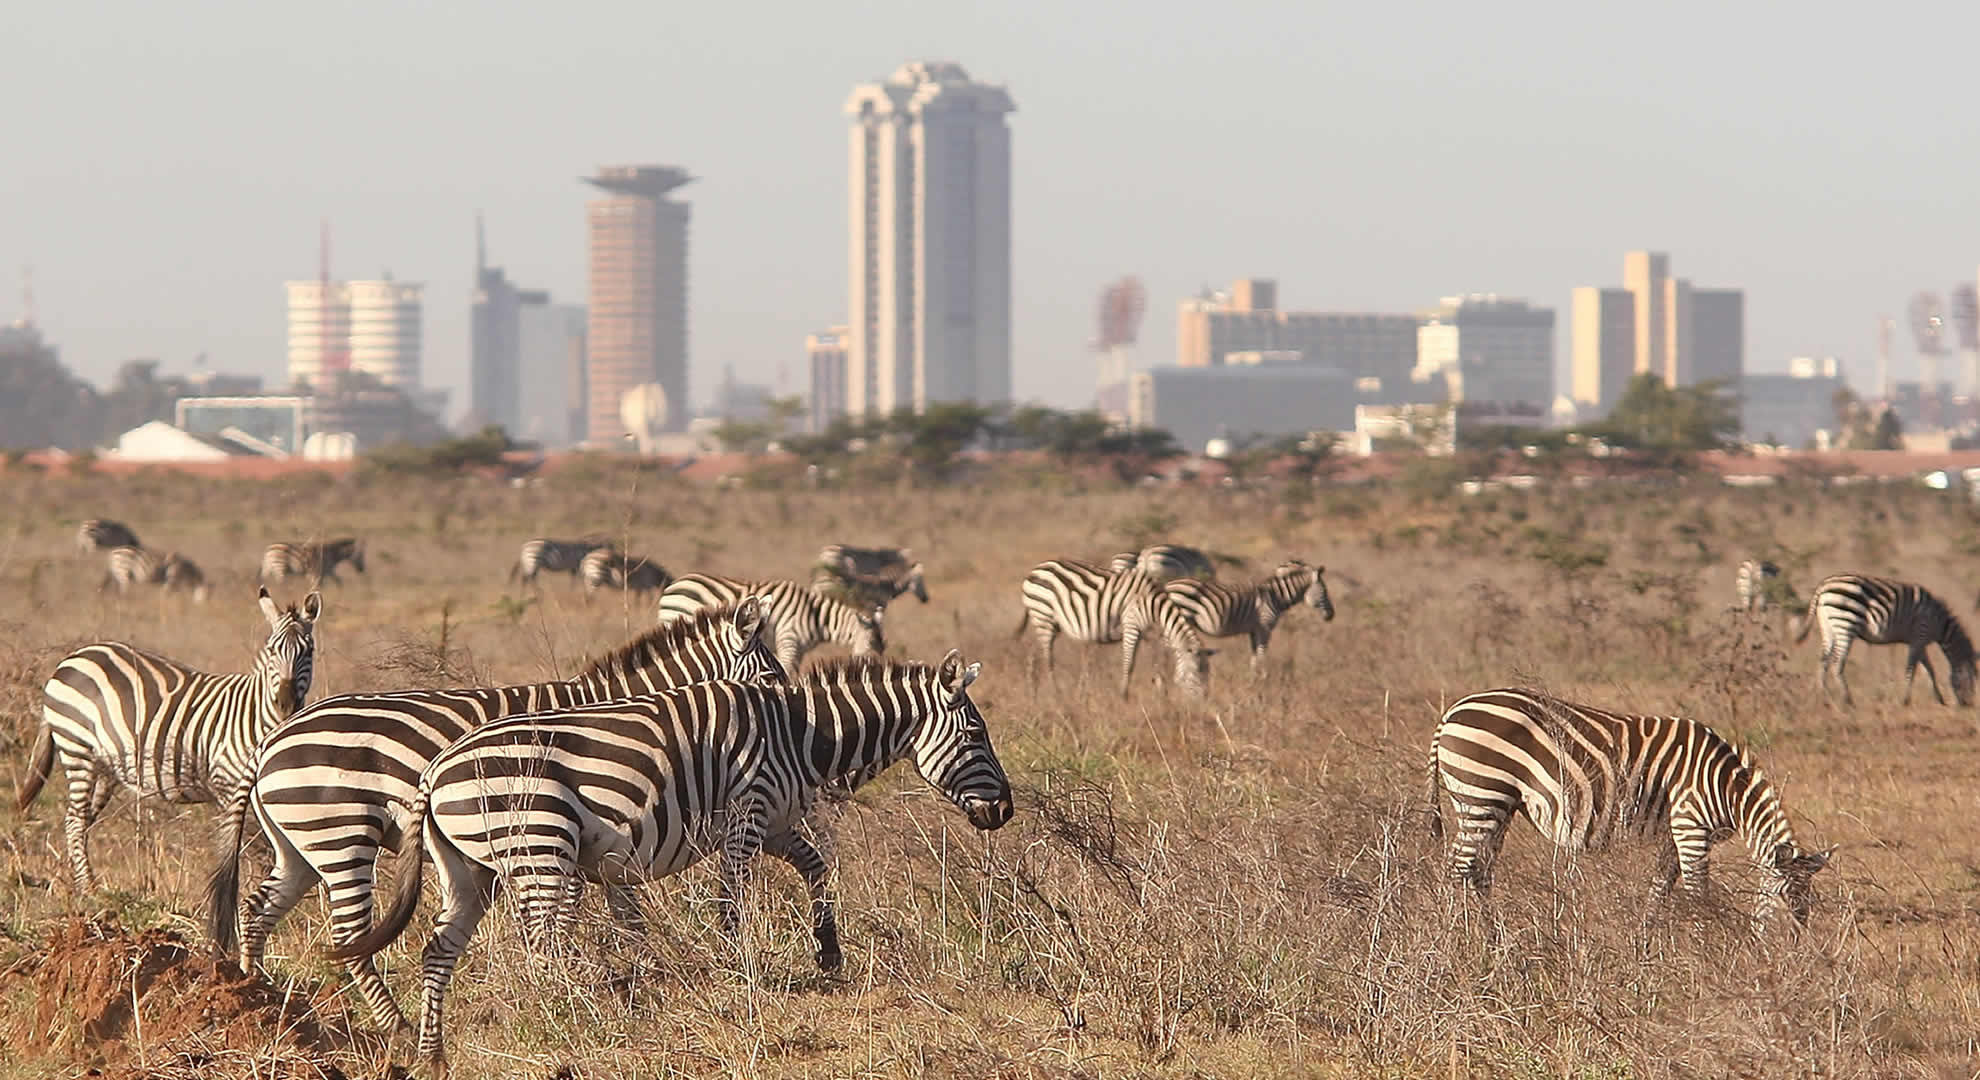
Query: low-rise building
(1790, 409)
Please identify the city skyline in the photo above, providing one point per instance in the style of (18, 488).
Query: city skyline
(1378, 163)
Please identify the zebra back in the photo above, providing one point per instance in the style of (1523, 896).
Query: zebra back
(95, 534)
(867, 593)
(1166, 561)
(608, 568)
(797, 617)
(542, 554)
(881, 564)
(1884, 611)
(315, 561)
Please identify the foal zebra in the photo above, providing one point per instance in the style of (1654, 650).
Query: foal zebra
(1582, 775)
(1224, 611)
(116, 715)
(543, 555)
(607, 568)
(644, 788)
(1751, 584)
(330, 787)
(798, 619)
(128, 566)
(316, 561)
(99, 533)
(1879, 611)
(1085, 603)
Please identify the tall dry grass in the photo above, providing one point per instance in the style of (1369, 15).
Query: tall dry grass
(1241, 885)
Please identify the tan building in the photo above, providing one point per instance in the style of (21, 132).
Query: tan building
(637, 321)
(1246, 318)
(1686, 335)
(825, 353)
(930, 241)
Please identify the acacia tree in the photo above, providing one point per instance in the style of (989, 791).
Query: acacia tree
(1653, 415)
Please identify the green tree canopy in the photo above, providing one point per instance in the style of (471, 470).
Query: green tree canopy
(1655, 416)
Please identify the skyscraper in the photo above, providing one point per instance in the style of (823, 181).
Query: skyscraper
(367, 326)
(1665, 325)
(319, 329)
(638, 319)
(825, 352)
(495, 356)
(931, 241)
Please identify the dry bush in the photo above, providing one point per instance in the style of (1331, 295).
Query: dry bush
(1241, 885)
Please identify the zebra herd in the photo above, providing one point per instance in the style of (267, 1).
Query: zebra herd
(704, 736)
(128, 562)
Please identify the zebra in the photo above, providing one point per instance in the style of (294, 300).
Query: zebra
(316, 561)
(645, 788)
(868, 592)
(116, 715)
(884, 564)
(128, 566)
(798, 618)
(1166, 561)
(1064, 596)
(1879, 611)
(1583, 774)
(607, 568)
(1224, 611)
(99, 533)
(1751, 584)
(555, 556)
(329, 787)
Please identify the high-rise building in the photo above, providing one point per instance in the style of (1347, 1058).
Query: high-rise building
(524, 347)
(366, 326)
(931, 241)
(1604, 347)
(495, 356)
(1684, 334)
(319, 329)
(825, 353)
(1246, 318)
(1499, 349)
(637, 329)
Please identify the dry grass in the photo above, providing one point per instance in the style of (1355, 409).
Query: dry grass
(1233, 887)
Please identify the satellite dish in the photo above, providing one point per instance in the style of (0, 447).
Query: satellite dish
(643, 411)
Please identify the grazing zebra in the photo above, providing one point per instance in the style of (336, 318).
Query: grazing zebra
(330, 787)
(1225, 611)
(1751, 583)
(645, 788)
(543, 555)
(130, 566)
(883, 564)
(798, 618)
(317, 562)
(868, 592)
(1166, 561)
(607, 568)
(1878, 611)
(116, 715)
(1582, 775)
(1087, 604)
(99, 533)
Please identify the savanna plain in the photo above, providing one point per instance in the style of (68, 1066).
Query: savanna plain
(1236, 885)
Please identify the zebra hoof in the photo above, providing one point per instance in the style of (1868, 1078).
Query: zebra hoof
(830, 959)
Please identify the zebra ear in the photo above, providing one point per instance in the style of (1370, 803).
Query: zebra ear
(749, 617)
(951, 675)
(270, 610)
(312, 606)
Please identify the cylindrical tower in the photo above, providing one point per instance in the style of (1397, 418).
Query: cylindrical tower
(385, 331)
(319, 329)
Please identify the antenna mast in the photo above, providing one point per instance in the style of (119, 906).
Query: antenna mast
(27, 296)
(336, 333)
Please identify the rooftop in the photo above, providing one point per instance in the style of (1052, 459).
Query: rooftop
(651, 181)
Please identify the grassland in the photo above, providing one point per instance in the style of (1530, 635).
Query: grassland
(1238, 886)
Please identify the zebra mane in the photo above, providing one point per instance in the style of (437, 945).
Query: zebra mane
(663, 640)
(848, 672)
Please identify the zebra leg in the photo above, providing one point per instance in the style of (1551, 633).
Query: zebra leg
(465, 888)
(1924, 660)
(1481, 830)
(817, 873)
(1842, 671)
(1043, 633)
(88, 795)
(1260, 638)
(744, 840)
(1130, 644)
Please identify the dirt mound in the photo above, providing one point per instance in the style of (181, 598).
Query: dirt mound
(148, 1005)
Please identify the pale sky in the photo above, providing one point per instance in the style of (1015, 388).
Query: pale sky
(166, 166)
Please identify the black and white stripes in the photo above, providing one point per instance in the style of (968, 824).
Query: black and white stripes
(1088, 604)
(798, 618)
(1254, 609)
(1750, 584)
(544, 555)
(1879, 611)
(316, 561)
(96, 534)
(113, 714)
(640, 789)
(608, 568)
(1583, 775)
(128, 566)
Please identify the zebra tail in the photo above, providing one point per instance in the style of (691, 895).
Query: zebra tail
(223, 886)
(408, 866)
(1024, 622)
(41, 761)
(1808, 620)
(1434, 790)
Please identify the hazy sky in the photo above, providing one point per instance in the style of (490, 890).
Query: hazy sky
(166, 166)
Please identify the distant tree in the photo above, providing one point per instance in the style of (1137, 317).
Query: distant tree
(742, 436)
(783, 410)
(1652, 415)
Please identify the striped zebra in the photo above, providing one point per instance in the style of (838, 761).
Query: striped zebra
(1583, 775)
(316, 561)
(885, 564)
(1225, 611)
(641, 789)
(330, 787)
(115, 715)
(1166, 561)
(97, 534)
(1879, 611)
(868, 592)
(128, 566)
(607, 568)
(798, 619)
(1085, 603)
(543, 555)
(1751, 584)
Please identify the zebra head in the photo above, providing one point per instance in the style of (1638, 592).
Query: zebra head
(286, 660)
(914, 582)
(1315, 591)
(1787, 886)
(754, 659)
(952, 749)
